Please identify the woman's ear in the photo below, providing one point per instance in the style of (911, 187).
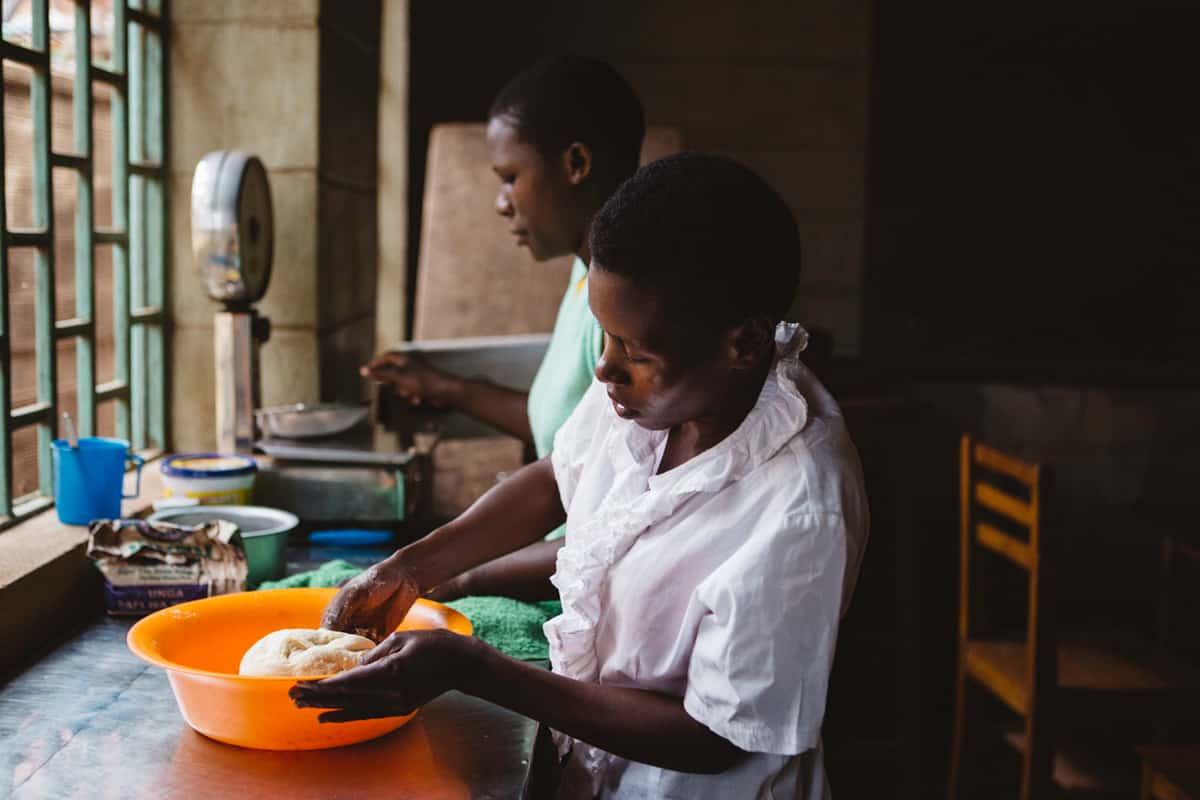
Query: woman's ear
(750, 341)
(577, 162)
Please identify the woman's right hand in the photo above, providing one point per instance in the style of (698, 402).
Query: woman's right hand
(373, 603)
(413, 379)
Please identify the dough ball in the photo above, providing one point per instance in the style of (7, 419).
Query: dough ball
(304, 652)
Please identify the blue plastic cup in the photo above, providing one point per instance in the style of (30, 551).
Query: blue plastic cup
(88, 479)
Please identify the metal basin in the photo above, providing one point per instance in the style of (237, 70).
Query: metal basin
(304, 421)
(264, 534)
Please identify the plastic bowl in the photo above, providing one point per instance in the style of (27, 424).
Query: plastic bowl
(201, 644)
(264, 534)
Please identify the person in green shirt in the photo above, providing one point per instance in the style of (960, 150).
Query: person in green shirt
(562, 136)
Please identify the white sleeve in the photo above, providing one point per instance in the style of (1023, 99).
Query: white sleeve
(759, 670)
(574, 439)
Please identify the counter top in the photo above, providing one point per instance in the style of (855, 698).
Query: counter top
(92, 720)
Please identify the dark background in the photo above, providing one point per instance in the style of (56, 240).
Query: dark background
(1033, 183)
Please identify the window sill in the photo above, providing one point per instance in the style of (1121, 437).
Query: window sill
(47, 583)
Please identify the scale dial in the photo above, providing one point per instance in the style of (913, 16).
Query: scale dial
(233, 237)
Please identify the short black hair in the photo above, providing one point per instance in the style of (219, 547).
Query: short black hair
(566, 99)
(705, 231)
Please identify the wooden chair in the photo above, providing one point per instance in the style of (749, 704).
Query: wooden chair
(1170, 772)
(1042, 676)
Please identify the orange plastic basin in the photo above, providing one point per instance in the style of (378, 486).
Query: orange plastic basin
(201, 644)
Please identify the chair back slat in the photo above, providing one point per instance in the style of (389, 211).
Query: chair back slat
(996, 461)
(1001, 507)
(1003, 503)
(1002, 543)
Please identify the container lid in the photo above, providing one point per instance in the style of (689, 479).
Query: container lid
(207, 465)
(164, 503)
(350, 537)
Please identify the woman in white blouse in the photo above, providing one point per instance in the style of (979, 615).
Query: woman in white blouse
(715, 514)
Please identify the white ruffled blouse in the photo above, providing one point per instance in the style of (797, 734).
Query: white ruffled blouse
(721, 581)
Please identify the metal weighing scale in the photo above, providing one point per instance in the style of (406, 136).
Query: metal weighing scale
(357, 475)
(233, 243)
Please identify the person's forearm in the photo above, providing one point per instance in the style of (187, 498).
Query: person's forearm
(504, 409)
(632, 723)
(524, 574)
(518, 511)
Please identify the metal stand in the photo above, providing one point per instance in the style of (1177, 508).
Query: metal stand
(236, 336)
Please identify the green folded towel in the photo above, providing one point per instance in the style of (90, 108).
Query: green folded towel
(329, 574)
(513, 627)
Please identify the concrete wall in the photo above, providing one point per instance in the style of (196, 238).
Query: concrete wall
(392, 210)
(1110, 447)
(780, 86)
(296, 83)
(1120, 481)
(245, 76)
(346, 209)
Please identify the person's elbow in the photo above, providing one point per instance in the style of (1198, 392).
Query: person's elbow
(720, 755)
(706, 753)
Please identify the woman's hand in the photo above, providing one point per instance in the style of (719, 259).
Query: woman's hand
(413, 667)
(453, 589)
(373, 603)
(523, 574)
(411, 378)
(405, 672)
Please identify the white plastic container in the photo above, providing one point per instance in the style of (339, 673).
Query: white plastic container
(210, 478)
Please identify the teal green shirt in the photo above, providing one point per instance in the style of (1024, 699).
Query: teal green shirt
(568, 367)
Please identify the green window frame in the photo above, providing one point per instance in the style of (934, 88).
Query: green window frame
(138, 237)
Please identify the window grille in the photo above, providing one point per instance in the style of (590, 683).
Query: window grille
(131, 78)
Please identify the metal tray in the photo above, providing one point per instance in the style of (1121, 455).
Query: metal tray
(309, 421)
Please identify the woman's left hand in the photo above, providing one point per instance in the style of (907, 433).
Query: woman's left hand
(406, 671)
